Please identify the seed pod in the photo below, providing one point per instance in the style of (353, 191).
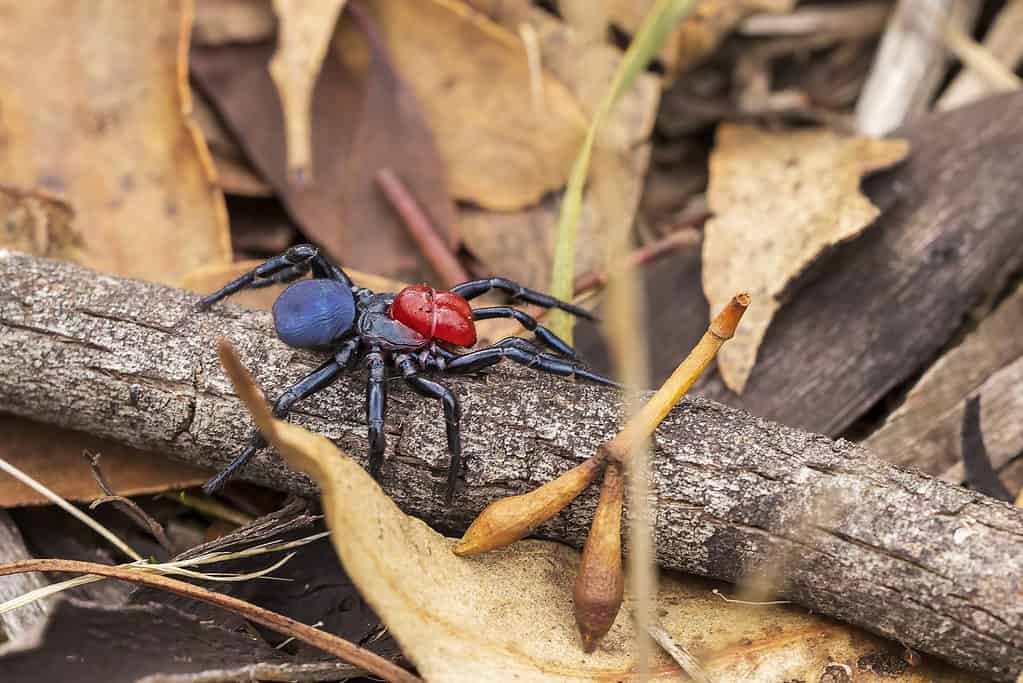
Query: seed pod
(507, 520)
(600, 583)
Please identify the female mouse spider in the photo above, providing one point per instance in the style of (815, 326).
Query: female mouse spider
(417, 329)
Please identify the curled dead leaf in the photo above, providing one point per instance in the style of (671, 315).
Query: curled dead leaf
(779, 200)
(304, 33)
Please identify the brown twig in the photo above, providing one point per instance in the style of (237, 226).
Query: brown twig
(327, 642)
(419, 227)
(125, 505)
(686, 236)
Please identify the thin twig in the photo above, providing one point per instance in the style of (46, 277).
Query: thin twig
(70, 509)
(126, 505)
(420, 229)
(339, 647)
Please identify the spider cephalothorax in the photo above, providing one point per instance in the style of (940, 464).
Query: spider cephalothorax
(419, 328)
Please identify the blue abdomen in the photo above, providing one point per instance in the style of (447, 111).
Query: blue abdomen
(313, 313)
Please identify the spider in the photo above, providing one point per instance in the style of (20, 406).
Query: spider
(414, 330)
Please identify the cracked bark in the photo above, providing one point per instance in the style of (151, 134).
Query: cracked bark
(932, 565)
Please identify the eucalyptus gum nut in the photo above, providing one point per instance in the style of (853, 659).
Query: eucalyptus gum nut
(507, 520)
(600, 584)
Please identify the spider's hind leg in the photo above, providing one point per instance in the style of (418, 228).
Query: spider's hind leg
(545, 335)
(475, 288)
(523, 352)
(452, 416)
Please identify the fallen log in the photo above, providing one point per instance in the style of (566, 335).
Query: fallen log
(932, 565)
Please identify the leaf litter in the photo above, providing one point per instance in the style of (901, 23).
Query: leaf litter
(779, 201)
(462, 619)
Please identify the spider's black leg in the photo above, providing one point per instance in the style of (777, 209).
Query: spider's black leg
(521, 351)
(291, 265)
(545, 335)
(376, 408)
(305, 387)
(474, 288)
(452, 415)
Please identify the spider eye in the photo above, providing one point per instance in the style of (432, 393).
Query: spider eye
(313, 313)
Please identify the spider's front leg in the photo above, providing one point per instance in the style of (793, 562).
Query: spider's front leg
(318, 379)
(452, 415)
(286, 267)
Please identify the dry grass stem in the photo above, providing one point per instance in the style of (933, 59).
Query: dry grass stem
(979, 59)
(327, 642)
(70, 509)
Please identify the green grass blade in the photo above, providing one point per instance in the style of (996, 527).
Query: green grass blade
(661, 20)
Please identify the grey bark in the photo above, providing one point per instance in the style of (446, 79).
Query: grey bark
(932, 565)
(12, 548)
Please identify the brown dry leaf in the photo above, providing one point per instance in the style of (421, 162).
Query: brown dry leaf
(209, 279)
(510, 611)
(779, 200)
(520, 245)
(95, 109)
(54, 456)
(234, 173)
(364, 119)
(305, 30)
(218, 22)
(36, 222)
(473, 79)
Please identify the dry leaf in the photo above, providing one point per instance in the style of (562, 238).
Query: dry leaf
(779, 200)
(473, 80)
(520, 245)
(234, 173)
(305, 30)
(211, 278)
(54, 456)
(36, 222)
(218, 22)
(364, 119)
(510, 611)
(95, 109)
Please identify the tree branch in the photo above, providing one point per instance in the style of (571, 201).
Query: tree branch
(934, 566)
